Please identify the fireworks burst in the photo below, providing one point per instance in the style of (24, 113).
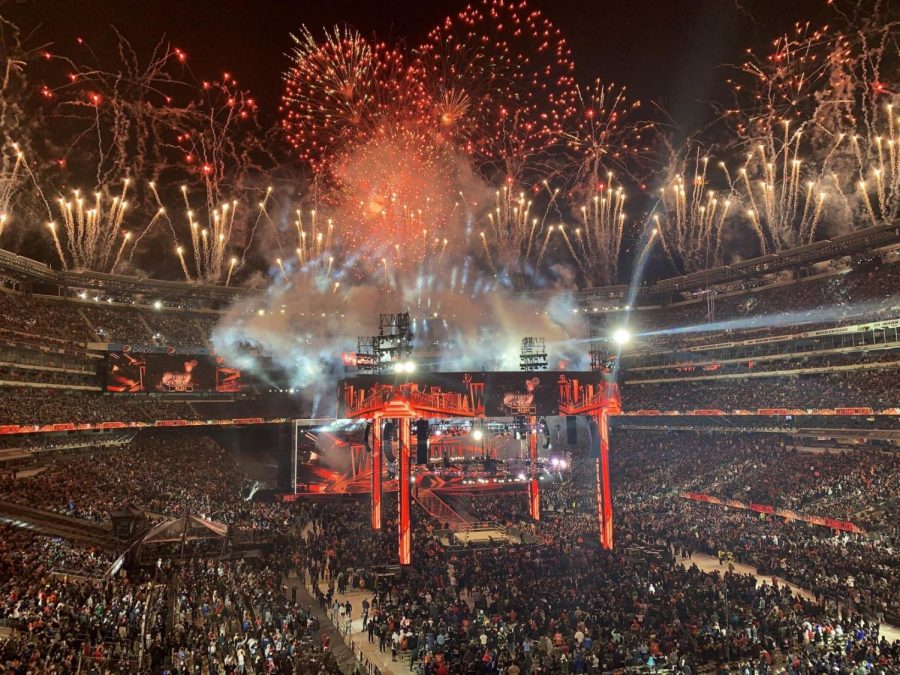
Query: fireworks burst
(878, 165)
(91, 236)
(784, 197)
(150, 117)
(211, 251)
(830, 79)
(515, 238)
(787, 82)
(340, 90)
(599, 237)
(397, 197)
(9, 181)
(606, 137)
(692, 218)
(499, 81)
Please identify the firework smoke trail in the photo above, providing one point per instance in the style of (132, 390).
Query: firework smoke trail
(513, 230)
(785, 199)
(788, 82)
(210, 242)
(606, 136)
(151, 116)
(9, 181)
(831, 77)
(263, 214)
(878, 166)
(690, 218)
(600, 235)
(94, 239)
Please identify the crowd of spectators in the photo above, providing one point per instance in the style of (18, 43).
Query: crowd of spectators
(86, 320)
(827, 300)
(30, 405)
(847, 570)
(888, 358)
(876, 389)
(185, 475)
(202, 616)
(557, 604)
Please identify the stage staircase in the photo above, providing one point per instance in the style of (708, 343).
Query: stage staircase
(52, 524)
(438, 508)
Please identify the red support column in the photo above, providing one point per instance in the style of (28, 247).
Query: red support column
(604, 493)
(403, 495)
(534, 493)
(376, 473)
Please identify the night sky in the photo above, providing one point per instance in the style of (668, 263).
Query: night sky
(673, 54)
(669, 52)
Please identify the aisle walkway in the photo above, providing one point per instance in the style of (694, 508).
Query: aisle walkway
(342, 653)
(357, 635)
(708, 563)
(361, 639)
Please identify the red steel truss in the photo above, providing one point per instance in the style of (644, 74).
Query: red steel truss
(534, 493)
(406, 402)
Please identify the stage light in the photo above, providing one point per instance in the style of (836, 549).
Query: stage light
(621, 336)
(157, 304)
(405, 367)
(478, 434)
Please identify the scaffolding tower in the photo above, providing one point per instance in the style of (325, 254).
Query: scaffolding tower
(534, 354)
(599, 351)
(394, 343)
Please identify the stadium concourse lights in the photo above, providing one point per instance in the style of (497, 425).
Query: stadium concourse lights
(405, 367)
(621, 336)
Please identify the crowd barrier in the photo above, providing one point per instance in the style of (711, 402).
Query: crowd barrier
(833, 523)
(764, 412)
(8, 429)
(365, 665)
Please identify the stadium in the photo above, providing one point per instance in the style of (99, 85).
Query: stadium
(413, 430)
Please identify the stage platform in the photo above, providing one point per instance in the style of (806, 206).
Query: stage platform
(482, 536)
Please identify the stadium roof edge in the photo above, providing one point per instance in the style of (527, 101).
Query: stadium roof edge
(26, 269)
(820, 251)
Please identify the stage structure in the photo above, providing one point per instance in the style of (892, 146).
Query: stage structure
(393, 344)
(401, 397)
(533, 357)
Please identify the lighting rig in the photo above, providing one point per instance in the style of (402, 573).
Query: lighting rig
(390, 350)
(533, 355)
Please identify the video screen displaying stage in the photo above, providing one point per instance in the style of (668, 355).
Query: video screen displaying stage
(131, 372)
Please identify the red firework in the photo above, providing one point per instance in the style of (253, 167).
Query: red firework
(500, 82)
(340, 90)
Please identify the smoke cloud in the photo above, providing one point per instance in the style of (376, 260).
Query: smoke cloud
(305, 326)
